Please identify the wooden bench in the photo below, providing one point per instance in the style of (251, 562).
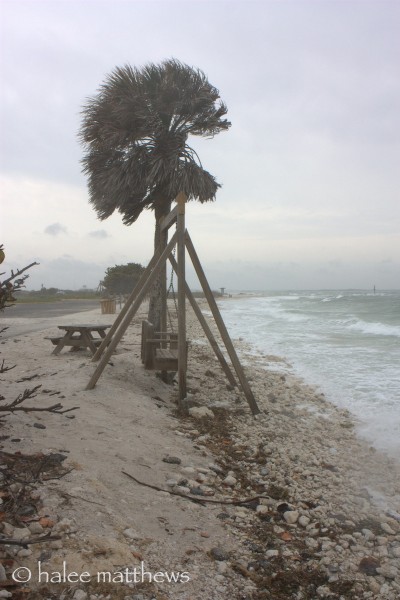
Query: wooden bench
(73, 340)
(79, 336)
(159, 351)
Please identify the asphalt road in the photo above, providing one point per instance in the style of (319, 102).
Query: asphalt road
(44, 310)
(40, 315)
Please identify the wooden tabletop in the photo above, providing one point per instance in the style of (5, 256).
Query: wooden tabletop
(84, 327)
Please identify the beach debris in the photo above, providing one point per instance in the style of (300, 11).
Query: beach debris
(17, 404)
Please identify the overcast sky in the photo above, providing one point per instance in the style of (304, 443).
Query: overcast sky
(310, 169)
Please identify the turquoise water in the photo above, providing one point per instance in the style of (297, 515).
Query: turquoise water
(345, 342)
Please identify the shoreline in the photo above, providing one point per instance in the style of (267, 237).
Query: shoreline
(367, 428)
(329, 503)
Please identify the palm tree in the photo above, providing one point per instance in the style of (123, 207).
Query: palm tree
(135, 133)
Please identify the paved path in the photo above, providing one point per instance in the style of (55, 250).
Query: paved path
(42, 310)
(27, 317)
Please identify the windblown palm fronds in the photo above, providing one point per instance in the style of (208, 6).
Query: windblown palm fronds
(135, 133)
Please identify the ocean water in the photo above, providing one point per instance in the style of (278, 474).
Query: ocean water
(345, 342)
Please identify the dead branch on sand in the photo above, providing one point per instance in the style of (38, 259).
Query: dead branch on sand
(15, 405)
(200, 500)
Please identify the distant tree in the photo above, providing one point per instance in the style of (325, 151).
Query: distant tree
(121, 279)
(135, 133)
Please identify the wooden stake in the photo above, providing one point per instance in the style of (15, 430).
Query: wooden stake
(206, 328)
(221, 326)
(131, 313)
(163, 277)
(182, 356)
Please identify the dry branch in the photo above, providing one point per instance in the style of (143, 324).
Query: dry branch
(44, 538)
(15, 405)
(4, 369)
(229, 501)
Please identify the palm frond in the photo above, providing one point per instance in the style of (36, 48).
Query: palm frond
(135, 132)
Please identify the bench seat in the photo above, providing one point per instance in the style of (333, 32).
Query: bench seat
(74, 342)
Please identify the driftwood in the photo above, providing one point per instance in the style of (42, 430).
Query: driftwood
(201, 499)
(44, 538)
(15, 405)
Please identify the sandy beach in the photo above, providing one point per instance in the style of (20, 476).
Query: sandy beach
(287, 504)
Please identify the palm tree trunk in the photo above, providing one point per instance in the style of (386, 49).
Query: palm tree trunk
(158, 295)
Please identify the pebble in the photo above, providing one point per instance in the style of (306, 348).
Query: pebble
(369, 565)
(80, 595)
(311, 543)
(63, 525)
(222, 566)
(396, 552)
(216, 468)
(171, 482)
(24, 552)
(291, 516)
(304, 520)
(387, 529)
(219, 554)
(388, 572)
(8, 529)
(131, 534)
(21, 533)
(188, 470)
(262, 509)
(229, 481)
(3, 575)
(35, 527)
(172, 460)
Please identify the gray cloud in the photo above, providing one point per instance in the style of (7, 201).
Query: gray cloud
(312, 92)
(99, 233)
(55, 229)
(66, 272)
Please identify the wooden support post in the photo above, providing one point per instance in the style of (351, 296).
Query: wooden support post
(182, 357)
(221, 326)
(206, 328)
(169, 220)
(163, 277)
(131, 312)
(125, 308)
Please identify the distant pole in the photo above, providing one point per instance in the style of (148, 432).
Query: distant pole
(182, 356)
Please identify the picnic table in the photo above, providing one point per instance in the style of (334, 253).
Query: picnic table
(79, 336)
